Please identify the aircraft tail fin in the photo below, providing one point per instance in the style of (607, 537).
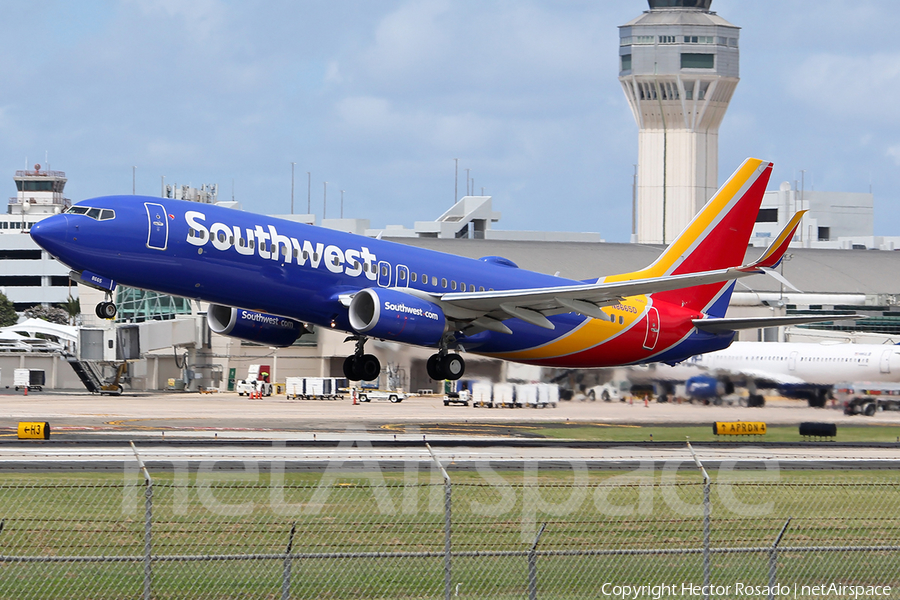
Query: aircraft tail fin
(716, 238)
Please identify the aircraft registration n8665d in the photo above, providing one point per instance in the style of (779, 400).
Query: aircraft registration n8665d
(265, 278)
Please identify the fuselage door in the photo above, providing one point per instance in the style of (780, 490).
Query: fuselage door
(402, 276)
(652, 328)
(792, 361)
(158, 236)
(886, 361)
(384, 274)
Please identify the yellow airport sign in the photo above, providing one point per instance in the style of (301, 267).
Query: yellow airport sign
(739, 428)
(34, 430)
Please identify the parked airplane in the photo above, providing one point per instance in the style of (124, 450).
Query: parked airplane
(265, 277)
(808, 371)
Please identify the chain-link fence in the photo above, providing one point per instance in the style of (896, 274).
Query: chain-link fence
(485, 533)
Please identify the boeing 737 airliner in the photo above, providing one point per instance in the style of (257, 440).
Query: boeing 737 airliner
(265, 278)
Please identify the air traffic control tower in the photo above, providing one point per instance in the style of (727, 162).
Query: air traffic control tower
(678, 67)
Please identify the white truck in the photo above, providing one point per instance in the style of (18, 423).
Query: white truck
(366, 395)
(460, 397)
(254, 383)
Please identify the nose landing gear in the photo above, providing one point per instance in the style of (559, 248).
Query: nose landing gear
(106, 310)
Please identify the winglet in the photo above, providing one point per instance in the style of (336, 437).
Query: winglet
(773, 255)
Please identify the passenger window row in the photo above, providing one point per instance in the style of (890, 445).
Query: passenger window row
(453, 285)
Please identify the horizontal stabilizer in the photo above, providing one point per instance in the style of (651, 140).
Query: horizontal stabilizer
(726, 324)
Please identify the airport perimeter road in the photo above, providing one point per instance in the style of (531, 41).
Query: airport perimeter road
(236, 416)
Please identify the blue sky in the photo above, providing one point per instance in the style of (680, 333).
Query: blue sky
(378, 98)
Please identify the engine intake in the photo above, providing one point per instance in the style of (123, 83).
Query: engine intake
(253, 326)
(393, 315)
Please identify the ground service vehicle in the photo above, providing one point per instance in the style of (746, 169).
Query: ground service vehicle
(257, 381)
(460, 397)
(31, 379)
(867, 398)
(310, 388)
(369, 395)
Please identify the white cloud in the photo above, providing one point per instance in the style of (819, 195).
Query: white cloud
(443, 50)
(893, 152)
(202, 18)
(379, 120)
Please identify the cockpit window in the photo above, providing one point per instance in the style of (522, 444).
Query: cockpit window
(98, 214)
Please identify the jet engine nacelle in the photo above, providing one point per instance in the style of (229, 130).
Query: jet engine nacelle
(398, 316)
(704, 387)
(269, 330)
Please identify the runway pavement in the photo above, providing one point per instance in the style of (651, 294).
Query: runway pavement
(230, 415)
(502, 453)
(228, 431)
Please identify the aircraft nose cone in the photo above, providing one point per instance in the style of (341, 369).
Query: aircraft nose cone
(50, 233)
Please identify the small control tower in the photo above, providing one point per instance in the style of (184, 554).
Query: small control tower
(678, 65)
(39, 193)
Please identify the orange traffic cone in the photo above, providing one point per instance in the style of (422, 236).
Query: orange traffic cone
(26, 390)
(354, 394)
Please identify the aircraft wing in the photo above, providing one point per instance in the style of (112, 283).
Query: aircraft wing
(598, 294)
(488, 309)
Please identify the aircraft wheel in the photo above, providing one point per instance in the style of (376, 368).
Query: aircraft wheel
(605, 395)
(368, 367)
(592, 396)
(350, 368)
(106, 310)
(432, 368)
(452, 366)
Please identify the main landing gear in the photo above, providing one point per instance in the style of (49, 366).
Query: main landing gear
(366, 367)
(444, 365)
(359, 366)
(106, 310)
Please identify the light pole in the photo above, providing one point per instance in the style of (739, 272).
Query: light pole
(342, 204)
(467, 181)
(802, 186)
(292, 187)
(133, 169)
(455, 180)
